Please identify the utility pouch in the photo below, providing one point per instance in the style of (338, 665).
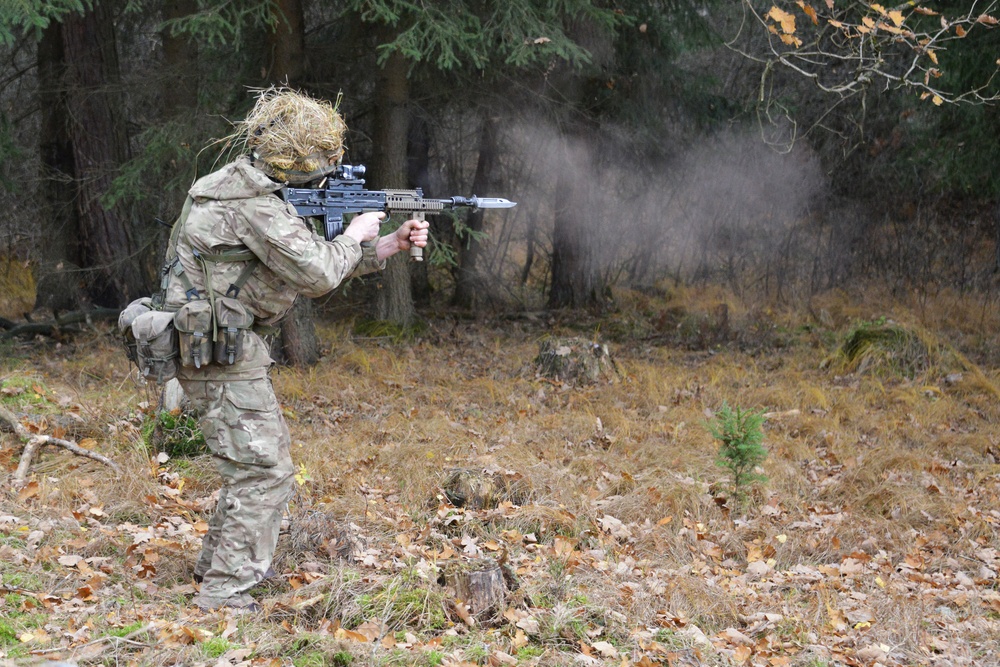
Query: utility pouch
(125, 319)
(155, 345)
(193, 322)
(232, 320)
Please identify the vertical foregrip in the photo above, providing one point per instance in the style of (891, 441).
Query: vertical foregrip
(417, 253)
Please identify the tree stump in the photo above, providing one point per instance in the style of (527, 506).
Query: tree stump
(483, 488)
(575, 360)
(479, 586)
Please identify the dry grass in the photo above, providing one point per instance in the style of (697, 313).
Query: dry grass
(878, 505)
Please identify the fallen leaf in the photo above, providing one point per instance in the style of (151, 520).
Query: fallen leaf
(462, 610)
(71, 560)
(529, 625)
(30, 490)
(606, 649)
(350, 635)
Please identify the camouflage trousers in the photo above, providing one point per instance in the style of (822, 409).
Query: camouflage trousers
(245, 431)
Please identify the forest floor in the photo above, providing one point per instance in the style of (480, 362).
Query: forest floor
(873, 541)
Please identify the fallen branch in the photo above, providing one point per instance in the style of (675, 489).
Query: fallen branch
(60, 324)
(127, 639)
(34, 442)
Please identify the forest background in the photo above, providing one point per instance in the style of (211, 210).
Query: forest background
(790, 207)
(647, 143)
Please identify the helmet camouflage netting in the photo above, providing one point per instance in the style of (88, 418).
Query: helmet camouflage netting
(293, 137)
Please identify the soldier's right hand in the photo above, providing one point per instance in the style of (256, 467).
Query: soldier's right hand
(364, 227)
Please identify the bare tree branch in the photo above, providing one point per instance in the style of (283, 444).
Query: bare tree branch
(845, 48)
(34, 442)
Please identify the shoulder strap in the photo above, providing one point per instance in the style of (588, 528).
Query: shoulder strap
(173, 264)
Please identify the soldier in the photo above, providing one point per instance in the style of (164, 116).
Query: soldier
(239, 245)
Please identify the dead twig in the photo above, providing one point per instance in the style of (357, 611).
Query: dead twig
(127, 639)
(33, 442)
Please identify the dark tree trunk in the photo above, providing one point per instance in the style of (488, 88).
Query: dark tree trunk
(394, 302)
(529, 255)
(572, 280)
(298, 344)
(100, 146)
(56, 151)
(286, 43)
(179, 87)
(418, 162)
(469, 284)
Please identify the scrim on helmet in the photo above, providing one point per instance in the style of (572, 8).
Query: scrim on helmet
(292, 136)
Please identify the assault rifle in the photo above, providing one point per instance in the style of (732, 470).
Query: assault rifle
(343, 192)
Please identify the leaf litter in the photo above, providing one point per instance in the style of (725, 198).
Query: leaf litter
(874, 543)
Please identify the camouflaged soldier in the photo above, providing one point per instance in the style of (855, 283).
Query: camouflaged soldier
(238, 241)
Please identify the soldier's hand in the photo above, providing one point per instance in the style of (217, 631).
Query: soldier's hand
(364, 227)
(412, 232)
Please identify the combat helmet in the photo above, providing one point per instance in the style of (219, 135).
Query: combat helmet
(292, 137)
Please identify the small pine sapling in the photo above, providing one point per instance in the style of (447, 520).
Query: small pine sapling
(740, 434)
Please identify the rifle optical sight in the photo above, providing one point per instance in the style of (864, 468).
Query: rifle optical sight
(350, 171)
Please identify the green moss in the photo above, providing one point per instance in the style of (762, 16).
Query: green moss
(23, 390)
(216, 646)
(311, 659)
(341, 659)
(478, 653)
(125, 630)
(405, 602)
(529, 652)
(13, 600)
(8, 634)
(24, 580)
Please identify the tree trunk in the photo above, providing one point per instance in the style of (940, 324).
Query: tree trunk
(298, 344)
(469, 284)
(394, 302)
(62, 240)
(100, 145)
(179, 85)
(418, 161)
(286, 43)
(572, 279)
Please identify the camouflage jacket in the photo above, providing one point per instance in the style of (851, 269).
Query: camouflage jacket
(236, 209)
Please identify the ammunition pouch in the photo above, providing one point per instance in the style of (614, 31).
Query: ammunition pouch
(125, 319)
(232, 321)
(155, 345)
(195, 333)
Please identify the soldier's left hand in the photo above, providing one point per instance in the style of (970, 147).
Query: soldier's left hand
(412, 232)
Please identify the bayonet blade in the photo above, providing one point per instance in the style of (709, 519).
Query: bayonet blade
(492, 202)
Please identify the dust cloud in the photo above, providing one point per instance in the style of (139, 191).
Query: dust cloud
(725, 206)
